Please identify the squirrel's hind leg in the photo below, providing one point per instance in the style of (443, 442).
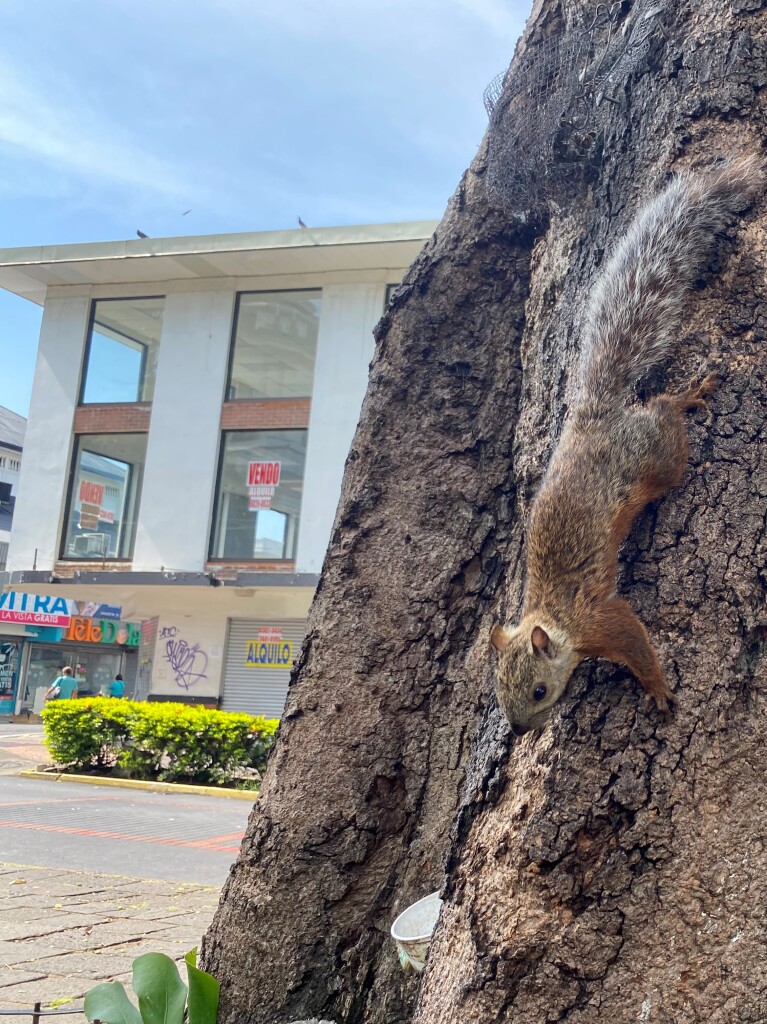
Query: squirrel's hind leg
(668, 460)
(665, 446)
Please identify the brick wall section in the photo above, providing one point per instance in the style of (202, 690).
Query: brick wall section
(266, 414)
(67, 570)
(223, 570)
(229, 570)
(130, 418)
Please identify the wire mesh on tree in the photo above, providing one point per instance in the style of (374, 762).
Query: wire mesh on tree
(546, 112)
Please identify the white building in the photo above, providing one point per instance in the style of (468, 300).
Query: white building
(193, 405)
(12, 428)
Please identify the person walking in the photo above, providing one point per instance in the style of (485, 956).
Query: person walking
(117, 687)
(63, 687)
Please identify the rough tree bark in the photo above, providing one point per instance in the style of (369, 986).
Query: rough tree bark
(354, 817)
(617, 869)
(613, 867)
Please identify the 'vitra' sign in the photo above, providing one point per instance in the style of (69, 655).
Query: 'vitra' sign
(34, 609)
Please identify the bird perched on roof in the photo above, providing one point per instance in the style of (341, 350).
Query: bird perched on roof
(141, 234)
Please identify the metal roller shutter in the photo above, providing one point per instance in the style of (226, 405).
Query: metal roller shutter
(254, 679)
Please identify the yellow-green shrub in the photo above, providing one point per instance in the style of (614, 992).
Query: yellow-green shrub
(157, 740)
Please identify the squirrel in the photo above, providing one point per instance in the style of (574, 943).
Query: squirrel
(615, 455)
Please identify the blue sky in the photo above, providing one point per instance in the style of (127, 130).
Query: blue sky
(122, 115)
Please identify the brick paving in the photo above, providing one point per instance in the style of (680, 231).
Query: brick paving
(21, 746)
(62, 932)
(14, 759)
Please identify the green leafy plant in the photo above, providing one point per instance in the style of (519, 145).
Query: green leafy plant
(86, 732)
(166, 741)
(163, 998)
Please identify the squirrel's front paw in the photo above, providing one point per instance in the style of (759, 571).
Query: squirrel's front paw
(697, 392)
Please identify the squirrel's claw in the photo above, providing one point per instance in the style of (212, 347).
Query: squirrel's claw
(697, 392)
(664, 701)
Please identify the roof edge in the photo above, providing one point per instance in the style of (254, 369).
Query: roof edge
(200, 245)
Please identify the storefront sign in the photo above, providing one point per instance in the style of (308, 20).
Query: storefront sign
(263, 481)
(269, 650)
(103, 631)
(94, 610)
(34, 609)
(44, 610)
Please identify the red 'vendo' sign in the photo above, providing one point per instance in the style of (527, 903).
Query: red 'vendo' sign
(263, 479)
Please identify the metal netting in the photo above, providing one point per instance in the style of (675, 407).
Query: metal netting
(546, 112)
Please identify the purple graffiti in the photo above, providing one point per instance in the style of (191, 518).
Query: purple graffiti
(189, 664)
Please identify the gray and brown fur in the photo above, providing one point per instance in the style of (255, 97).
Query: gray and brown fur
(614, 455)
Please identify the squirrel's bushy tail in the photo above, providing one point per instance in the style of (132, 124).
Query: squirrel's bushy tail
(635, 308)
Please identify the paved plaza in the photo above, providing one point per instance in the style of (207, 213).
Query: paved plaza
(62, 932)
(92, 877)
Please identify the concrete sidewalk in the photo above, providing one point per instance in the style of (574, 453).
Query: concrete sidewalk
(21, 746)
(62, 932)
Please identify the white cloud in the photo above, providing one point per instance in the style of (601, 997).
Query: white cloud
(71, 137)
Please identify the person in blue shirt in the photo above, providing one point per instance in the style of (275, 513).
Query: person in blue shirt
(117, 687)
(63, 687)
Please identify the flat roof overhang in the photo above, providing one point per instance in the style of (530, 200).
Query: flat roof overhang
(31, 270)
(34, 579)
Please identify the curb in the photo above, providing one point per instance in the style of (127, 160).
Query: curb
(152, 787)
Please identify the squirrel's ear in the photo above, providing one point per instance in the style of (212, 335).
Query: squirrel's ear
(499, 638)
(541, 642)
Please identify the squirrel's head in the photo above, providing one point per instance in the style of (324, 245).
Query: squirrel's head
(535, 663)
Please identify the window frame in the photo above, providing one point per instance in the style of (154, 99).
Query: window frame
(81, 403)
(233, 343)
(64, 531)
(389, 293)
(219, 476)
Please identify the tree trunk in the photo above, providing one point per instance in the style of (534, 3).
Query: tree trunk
(611, 867)
(616, 871)
(354, 817)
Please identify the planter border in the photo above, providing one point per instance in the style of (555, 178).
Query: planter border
(153, 787)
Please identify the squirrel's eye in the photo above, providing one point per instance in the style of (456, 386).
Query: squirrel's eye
(539, 693)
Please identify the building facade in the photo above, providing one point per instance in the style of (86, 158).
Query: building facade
(193, 405)
(12, 427)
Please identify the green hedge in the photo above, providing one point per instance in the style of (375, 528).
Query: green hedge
(170, 742)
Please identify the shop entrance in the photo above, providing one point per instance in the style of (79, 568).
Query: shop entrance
(93, 669)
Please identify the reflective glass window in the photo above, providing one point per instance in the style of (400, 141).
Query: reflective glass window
(258, 498)
(274, 345)
(121, 354)
(107, 473)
